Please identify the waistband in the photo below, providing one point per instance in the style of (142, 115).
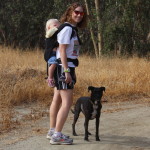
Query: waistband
(74, 61)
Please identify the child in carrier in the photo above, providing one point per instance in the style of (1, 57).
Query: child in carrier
(51, 27)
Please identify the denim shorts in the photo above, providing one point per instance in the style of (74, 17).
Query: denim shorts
(52, 60)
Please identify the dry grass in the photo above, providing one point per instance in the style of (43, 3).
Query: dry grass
(22, 79)
(123, 78)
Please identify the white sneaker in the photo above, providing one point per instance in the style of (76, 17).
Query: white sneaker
(49, 134)
(60, 140)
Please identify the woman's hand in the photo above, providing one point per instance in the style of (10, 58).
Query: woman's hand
(68, 77)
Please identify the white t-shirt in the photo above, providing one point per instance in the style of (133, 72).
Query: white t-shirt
(73, 46)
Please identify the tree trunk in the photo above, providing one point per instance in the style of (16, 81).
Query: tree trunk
(99, 36)
(91, 31)
(3, 35)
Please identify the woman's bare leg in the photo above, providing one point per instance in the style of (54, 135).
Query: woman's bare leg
(67, 99)
(55, 105)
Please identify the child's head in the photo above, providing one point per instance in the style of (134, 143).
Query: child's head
(52, 23)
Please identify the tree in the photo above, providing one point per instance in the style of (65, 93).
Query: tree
(95, 25)
(116, 27)
(92, 32)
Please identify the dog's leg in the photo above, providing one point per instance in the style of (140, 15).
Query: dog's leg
(86, 124)
(76, 116)
(97, 128)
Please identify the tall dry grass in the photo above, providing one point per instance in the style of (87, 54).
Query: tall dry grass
(123, 78)
(22, 79)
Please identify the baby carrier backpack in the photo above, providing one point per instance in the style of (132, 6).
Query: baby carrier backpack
(51, 43)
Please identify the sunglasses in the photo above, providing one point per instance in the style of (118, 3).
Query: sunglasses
(79, 12)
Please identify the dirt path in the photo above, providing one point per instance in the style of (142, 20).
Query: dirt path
(124, 126)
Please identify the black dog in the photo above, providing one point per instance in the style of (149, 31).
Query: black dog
(91, 108)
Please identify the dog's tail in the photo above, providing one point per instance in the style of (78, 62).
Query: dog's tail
(72, 111)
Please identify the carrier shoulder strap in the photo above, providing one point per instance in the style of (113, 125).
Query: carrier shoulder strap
(73, 30)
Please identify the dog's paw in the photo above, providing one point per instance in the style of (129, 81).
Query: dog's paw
(75, 134)
(97, 139)
(86, 139)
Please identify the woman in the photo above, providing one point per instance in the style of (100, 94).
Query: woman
(67, 54)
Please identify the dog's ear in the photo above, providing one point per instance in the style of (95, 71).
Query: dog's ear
(90, 88)
(102, 88)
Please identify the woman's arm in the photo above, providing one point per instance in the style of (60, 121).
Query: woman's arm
(63, 57)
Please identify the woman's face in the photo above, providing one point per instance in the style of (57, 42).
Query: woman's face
(77, 15)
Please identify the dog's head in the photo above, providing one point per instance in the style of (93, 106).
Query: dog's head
(96, 92)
